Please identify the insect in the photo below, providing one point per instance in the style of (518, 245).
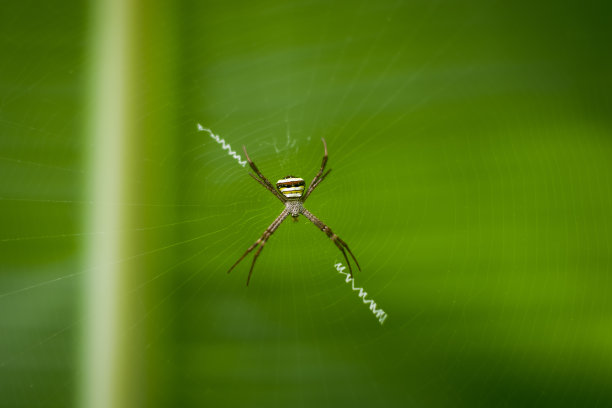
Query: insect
(291, 193)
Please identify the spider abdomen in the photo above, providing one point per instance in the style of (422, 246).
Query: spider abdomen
(291, 187)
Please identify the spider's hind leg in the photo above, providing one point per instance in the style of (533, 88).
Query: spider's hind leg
(342, 246)
(261, 242)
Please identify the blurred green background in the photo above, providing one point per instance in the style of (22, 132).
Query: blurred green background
(472, 155)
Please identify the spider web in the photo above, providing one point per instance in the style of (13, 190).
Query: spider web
(479, 217)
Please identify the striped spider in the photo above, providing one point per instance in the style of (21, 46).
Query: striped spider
(289, 192)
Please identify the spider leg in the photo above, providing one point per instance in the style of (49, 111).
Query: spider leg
(336, 239)
(317, 179)
(261, 242)
(267, 187)
(320, 179)
(262, 179)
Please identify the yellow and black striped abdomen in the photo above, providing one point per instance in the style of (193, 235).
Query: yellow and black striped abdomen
(291, 187)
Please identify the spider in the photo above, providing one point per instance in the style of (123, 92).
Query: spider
(289, 192)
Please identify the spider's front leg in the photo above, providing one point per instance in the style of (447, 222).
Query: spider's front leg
(261, 179)
(320, 176)
(336, 239)
(261, 242)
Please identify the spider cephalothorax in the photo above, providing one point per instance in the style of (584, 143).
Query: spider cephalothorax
(291, 193)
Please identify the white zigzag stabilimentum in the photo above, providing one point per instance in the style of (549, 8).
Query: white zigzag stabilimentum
(225, 146)
(380, 314)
